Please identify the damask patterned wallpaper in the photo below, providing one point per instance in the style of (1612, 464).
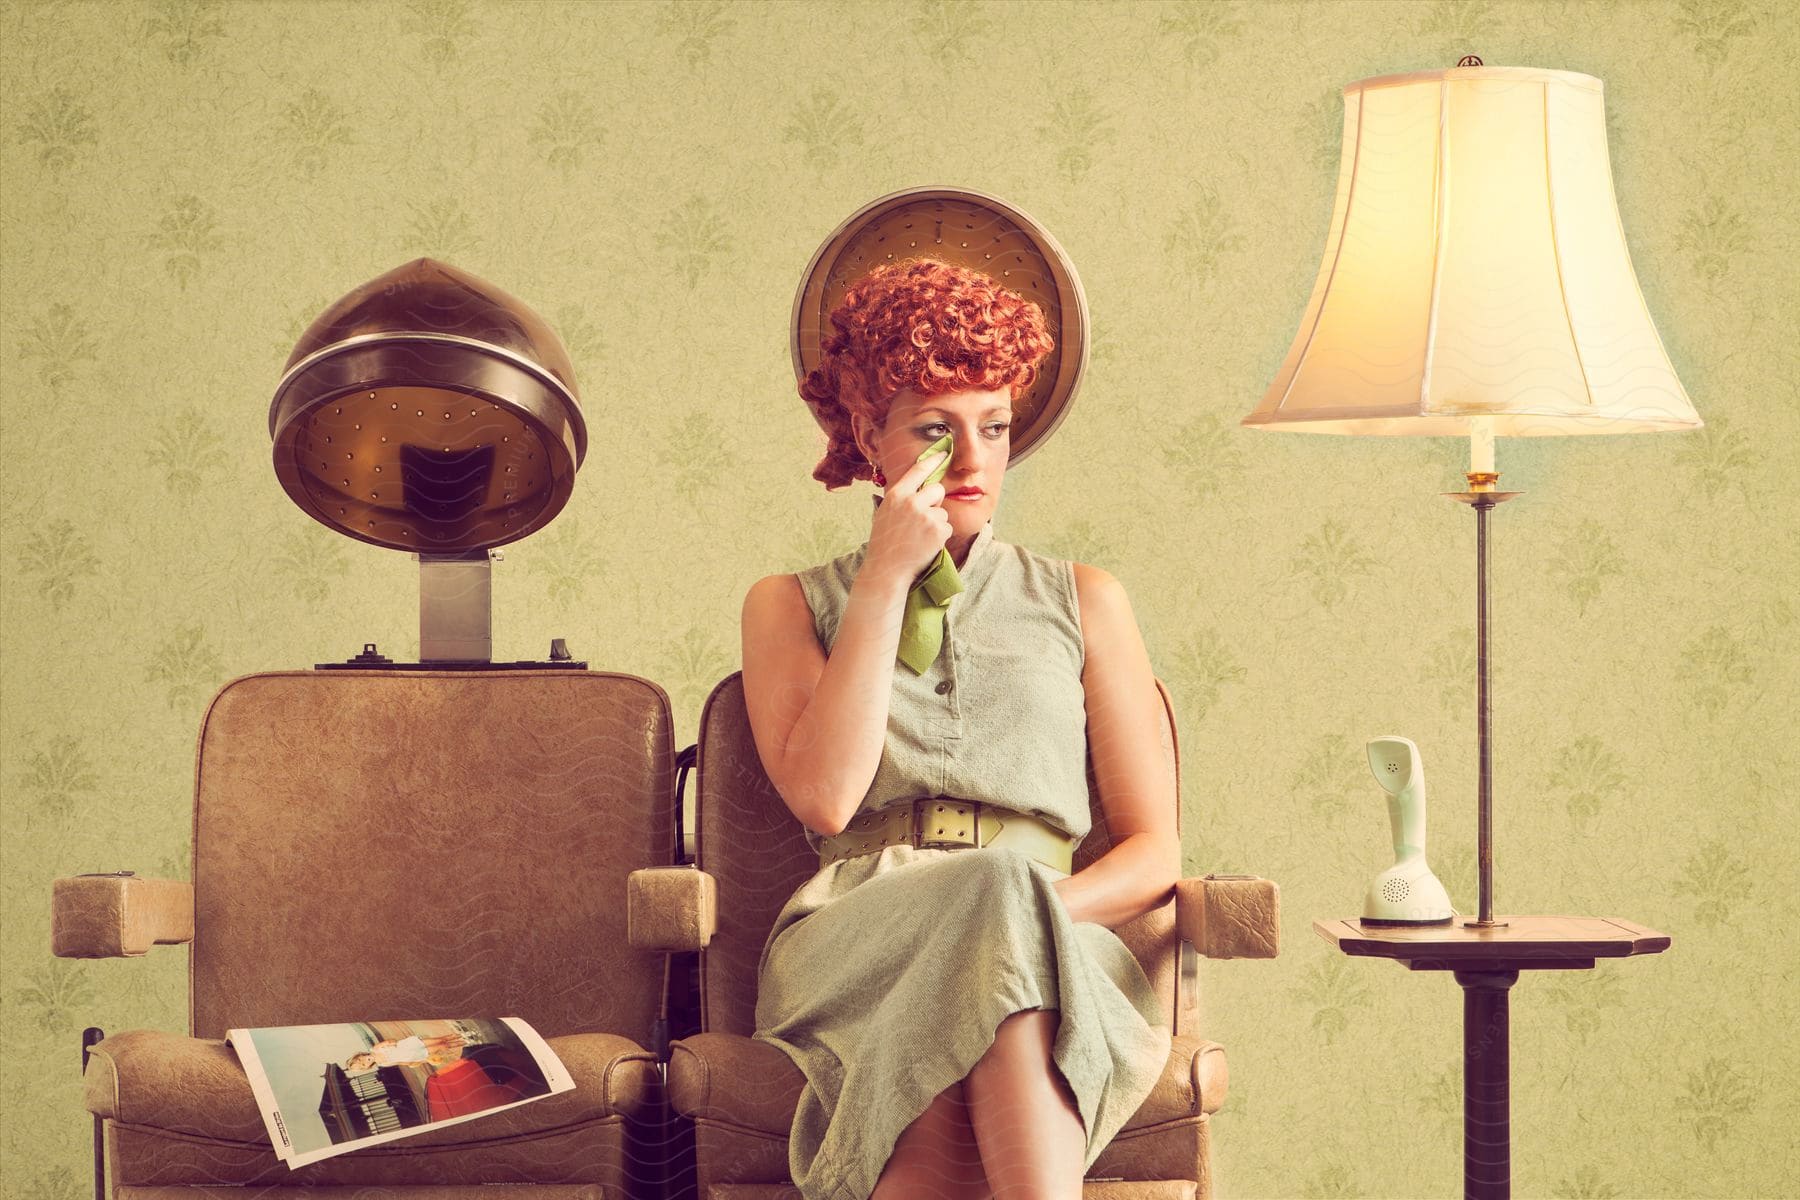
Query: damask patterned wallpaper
(187, 183)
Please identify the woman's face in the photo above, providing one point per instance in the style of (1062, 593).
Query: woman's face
(979, 422)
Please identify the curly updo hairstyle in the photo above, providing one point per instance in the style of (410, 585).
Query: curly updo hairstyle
(922, 324)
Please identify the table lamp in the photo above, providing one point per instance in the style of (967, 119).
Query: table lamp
(1476, 282)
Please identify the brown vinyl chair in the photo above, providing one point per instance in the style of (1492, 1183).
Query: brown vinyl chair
(741, 1094)
(399, 844)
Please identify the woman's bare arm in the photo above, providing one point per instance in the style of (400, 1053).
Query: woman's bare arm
(1127, 740)
(820, 721)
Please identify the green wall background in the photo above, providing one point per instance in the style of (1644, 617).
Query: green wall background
(186, 184)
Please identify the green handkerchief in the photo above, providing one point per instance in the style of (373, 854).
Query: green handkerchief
(922, 625)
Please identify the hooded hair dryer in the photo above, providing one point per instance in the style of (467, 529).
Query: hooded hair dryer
(431, 412)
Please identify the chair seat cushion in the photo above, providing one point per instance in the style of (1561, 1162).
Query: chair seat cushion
(169, 1081)
(753, 1085)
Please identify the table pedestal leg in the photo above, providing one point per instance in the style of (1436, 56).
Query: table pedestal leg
(1487, 1132)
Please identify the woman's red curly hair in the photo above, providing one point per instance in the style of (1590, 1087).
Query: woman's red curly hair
(922, 324)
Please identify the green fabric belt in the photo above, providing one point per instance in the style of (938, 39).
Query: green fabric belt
(950, 822)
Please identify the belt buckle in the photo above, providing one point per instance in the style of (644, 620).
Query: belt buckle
(925, 827)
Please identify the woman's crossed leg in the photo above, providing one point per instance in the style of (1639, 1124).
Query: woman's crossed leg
(936, 1156)
(1010, 1131)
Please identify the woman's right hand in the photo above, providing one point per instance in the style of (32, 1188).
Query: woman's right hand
(910, 524)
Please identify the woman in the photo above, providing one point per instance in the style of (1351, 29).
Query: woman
(435, 1049)
(965, 1018)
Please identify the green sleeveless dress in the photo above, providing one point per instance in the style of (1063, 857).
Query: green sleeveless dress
(885, 976)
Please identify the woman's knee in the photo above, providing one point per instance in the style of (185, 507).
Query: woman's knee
(1022, 1052)
(937, 1155)
(1028, 1030)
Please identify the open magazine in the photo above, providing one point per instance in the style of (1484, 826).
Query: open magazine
(330, 1089)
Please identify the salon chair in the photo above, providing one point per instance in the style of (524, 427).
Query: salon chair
(399, 844)
(741, 1095)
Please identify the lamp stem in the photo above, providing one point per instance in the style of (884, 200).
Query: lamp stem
(1482, 496)
(1484, 829)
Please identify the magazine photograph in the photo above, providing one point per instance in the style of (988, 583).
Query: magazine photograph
(329, 1089)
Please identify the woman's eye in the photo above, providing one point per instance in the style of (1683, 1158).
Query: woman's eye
(994, 430)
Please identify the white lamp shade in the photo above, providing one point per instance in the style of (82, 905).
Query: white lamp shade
(1475, 267)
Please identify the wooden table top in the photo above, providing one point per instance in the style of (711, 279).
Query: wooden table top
(1523, 939)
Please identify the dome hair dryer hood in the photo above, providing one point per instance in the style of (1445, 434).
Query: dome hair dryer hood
(432, 412)
(428, 410)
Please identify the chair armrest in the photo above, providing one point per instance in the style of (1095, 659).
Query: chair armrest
(170, 1081)
(671, 908)
(1229, 916)
(118, 916)
(195, 1092)
(1197, 1075)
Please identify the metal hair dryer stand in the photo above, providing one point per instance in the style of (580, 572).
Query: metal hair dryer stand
(456, 630)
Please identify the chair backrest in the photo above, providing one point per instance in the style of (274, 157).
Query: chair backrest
(388, 845)
(746, 838)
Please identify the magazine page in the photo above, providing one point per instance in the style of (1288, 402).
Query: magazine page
(329, 1089)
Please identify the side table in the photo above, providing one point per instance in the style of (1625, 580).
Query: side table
(1487, 961)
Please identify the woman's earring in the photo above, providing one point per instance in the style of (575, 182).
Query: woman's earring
(880, 479)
